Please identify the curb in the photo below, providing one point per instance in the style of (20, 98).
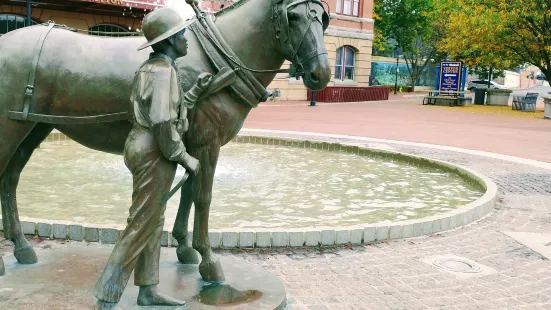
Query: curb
(230, 238)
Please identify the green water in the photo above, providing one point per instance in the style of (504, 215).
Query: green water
(256, 186)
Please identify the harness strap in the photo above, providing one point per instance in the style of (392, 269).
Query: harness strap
(246, 88)
(259, 90)
(69, 120)
(29, 90)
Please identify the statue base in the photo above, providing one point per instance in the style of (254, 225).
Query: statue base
(65, 276)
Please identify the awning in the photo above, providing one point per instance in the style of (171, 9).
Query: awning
(127, 8)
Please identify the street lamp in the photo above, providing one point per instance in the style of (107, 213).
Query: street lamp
(397, 55)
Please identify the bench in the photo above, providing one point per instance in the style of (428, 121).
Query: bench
(432, 100)
(525, 103)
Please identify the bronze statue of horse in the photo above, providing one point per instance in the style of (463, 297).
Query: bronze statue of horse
(79, 75)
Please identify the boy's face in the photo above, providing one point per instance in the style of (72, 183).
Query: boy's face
(179, 42)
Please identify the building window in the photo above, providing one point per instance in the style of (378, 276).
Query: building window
(348, 7)
(344, 66)
(10, 22)
(106, 30)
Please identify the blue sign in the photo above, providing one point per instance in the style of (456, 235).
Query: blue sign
(450, 76)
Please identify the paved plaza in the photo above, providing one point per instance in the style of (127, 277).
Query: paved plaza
(514, 152)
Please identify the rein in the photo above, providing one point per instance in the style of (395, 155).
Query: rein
(296, 69)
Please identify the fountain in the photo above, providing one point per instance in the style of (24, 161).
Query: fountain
(278, 186)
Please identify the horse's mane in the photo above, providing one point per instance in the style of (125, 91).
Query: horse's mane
(232, 7)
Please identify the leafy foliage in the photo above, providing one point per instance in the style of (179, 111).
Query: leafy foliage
(497, 33)
(413, 27)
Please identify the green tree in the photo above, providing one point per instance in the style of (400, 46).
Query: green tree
(498, 33)
(414, 28)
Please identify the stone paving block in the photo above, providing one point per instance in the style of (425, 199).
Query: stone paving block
(396, 231)
(215, 237)
(164, 238)
(280, 238)
(453, 221)
(437, 225)
(60, 231)
(445, 223)
(459, 220)
(382, 232)
(407, 230)
(76, 232)
(327, 236)
(296, 237)
(370, 234)
(28, 228)
(109, 235)
(44, 230)
(417, 229)
(263, 238)
(230, 238)
(342, 236)
(427, 227)
(356, 235)
(470, 216)
(312, 237)
(478, 212)
(246, 238)
(488, 207)
(91, 234)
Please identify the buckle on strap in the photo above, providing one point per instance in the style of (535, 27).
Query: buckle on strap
(29, 91)
(28, 98)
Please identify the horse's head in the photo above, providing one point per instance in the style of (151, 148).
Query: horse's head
(299, 27)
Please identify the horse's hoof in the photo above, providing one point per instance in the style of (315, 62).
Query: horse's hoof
(187, 255)
(211, 271)
(25, 255)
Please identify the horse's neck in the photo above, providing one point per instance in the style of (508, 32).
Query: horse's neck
(249, 31)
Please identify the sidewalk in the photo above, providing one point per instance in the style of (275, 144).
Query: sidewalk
(405, 119)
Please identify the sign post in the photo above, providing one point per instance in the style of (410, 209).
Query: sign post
(450, 76)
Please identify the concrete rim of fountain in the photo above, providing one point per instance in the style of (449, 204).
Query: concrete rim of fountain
(299, 237)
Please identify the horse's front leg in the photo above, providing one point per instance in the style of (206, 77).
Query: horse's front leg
(210, 268)
(186, 254)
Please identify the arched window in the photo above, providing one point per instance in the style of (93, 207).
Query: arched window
(344, 65)
(107, 30)
(10, 22)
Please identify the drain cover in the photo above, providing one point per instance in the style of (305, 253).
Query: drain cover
(460, 267)
(457, 265)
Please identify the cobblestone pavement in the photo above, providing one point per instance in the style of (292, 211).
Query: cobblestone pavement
(392, 276)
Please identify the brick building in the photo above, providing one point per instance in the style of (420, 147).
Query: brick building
(105, 17)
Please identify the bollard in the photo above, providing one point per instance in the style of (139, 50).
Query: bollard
(313, 99)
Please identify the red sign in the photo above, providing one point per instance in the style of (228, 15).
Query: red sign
(139, 4)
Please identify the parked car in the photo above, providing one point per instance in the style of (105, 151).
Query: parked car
(481, 84)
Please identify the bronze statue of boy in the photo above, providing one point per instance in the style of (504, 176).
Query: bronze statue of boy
(152, 152)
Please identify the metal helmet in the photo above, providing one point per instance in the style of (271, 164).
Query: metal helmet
(161, 24)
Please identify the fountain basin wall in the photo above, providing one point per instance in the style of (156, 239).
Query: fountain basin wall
(295, 237)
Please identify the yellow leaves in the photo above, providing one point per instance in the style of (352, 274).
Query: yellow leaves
(494, 32)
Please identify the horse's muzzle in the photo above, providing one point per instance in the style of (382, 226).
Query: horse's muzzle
(317, 72)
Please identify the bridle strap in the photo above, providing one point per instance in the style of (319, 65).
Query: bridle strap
(283, 33)
(285, 44)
